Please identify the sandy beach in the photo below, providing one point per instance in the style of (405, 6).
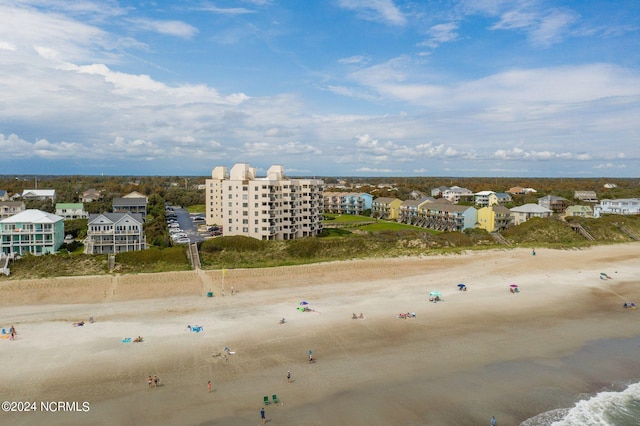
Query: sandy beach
(476, 354)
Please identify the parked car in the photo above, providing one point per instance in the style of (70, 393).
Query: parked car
(183, 240)
(198, 218)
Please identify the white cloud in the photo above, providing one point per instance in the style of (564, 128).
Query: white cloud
(174, 28)
(441, 33)
(375, 10)
(358, 59)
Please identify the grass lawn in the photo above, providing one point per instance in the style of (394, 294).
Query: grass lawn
(196, 208)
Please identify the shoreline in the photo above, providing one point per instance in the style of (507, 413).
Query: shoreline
(479, 353)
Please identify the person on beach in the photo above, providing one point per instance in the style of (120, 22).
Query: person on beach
(156, 380)
(288, 376)
(209, 386)
(493, 421)
(263, 418)
(150, 380)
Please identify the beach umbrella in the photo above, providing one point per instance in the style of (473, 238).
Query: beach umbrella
(461, 285)
(513, 285)
(435, 293)
(303, 303)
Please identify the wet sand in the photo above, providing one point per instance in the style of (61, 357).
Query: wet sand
(478, 353)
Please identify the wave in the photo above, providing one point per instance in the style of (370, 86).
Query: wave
(619, 406)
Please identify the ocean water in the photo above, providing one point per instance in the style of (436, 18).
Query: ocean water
(618, 406)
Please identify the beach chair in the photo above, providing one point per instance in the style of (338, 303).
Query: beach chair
(266, 400)
(275, 398)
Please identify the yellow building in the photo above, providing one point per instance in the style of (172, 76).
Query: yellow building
(494, 218)
(386, 208)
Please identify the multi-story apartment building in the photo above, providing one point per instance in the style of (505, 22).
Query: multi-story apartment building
(410, 210)
(346, 202)
(31, 231)
(112, 233)
(450, 217)
(386, 208)
(273, 207)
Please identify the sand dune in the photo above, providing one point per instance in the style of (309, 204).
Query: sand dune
(478, 353)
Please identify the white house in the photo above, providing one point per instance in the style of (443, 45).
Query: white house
(31, 231)
(622, 206)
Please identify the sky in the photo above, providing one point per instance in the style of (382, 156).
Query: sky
(487, 88)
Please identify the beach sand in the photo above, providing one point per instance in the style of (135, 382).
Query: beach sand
(480, 353)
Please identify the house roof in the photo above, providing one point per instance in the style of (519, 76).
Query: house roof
(39, 192)
(113, 217)
(552, 198)
(579, 208)
(75, 206)
(33, 216)
(385, 200)
(484, 193)
(3, 192)
(531, 208)
(122, 201)
(12, 203)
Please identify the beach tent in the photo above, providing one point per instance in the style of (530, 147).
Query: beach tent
(435, 295)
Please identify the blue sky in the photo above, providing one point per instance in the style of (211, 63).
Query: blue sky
(541, 88)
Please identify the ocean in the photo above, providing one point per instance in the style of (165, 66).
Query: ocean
(606, 408)
(615, 405)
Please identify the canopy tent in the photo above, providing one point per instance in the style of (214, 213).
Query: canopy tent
(435, 296)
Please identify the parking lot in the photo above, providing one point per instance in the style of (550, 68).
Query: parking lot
(182, 226)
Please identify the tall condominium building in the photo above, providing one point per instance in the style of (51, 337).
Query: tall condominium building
(268, 208)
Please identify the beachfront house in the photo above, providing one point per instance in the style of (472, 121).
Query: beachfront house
(622, 206)
(31, 231)
(274, 207)
(527, 211)
(553, 202)
(69, 211)
(581, 211)
(586, 196)
(494, 218)
(112, 233)
(386, 208)
(10, 208)
(133, 205)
